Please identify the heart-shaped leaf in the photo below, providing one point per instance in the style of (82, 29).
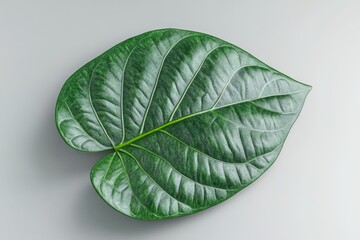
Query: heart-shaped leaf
(191, 120)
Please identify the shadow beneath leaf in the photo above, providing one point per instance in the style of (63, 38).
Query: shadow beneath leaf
(94, 214)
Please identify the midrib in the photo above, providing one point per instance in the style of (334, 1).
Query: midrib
(121, 145)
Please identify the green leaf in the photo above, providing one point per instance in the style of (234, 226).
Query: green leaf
(191, 120)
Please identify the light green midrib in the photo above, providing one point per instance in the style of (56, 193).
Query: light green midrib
(121, 145)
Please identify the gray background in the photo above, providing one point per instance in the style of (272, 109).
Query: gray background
(311, 192)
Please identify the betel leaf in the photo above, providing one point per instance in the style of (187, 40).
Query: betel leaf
(190, 119)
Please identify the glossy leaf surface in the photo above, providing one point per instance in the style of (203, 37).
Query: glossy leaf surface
(190, 119)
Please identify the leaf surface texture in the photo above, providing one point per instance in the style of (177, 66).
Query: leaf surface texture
(190, 119)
